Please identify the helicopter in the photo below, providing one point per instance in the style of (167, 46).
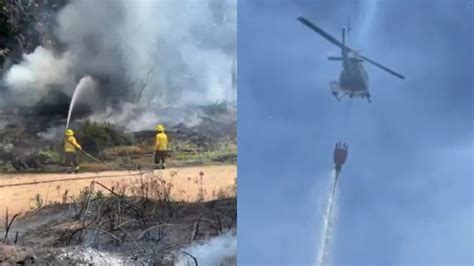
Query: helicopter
(353, 80)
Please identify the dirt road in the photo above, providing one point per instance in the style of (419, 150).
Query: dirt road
(18, 191)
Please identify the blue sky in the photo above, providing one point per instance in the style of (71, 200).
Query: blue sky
(405, 196)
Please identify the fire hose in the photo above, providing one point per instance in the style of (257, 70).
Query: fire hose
(97, 160)
(94, 158)
(112, 167)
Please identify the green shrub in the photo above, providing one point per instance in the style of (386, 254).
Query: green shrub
(49, 156)
(96, 137)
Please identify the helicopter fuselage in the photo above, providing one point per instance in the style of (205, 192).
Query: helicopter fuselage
(353, 78)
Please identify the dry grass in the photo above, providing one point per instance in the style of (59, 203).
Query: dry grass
(51, 187)
(125, 150)
(93, 167)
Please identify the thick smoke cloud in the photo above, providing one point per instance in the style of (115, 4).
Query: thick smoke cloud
(143, 53)
(38, 72)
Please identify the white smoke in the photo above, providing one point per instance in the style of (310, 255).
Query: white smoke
(32, 78)
(212, 253)
(90, 256)
(182, 52)
(141, 118)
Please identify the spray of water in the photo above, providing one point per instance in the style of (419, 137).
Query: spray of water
(83, 83)
(328, 223)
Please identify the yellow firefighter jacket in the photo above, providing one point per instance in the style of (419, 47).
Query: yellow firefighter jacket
(70, 144)
(161, 142)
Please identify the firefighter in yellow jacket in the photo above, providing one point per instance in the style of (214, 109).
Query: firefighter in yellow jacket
(161, 147)
(70, 146)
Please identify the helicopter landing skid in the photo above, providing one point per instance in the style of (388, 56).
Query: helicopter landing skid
(339, 93)
(366, 96)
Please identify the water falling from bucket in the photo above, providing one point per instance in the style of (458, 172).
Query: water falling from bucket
(86, 81)
(328, 223)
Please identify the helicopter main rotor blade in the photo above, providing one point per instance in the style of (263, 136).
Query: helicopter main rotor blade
(323, 33)
(344, 47)
(383, 67)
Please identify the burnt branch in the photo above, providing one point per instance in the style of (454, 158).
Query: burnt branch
(160, 226)
(143, 85)
(122, 198)
(8, 225)
(194, 258)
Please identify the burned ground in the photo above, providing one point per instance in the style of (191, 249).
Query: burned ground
(146, 228)
(153, 233)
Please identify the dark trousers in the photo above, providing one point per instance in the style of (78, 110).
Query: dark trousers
(71, 159)
(160, 158)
